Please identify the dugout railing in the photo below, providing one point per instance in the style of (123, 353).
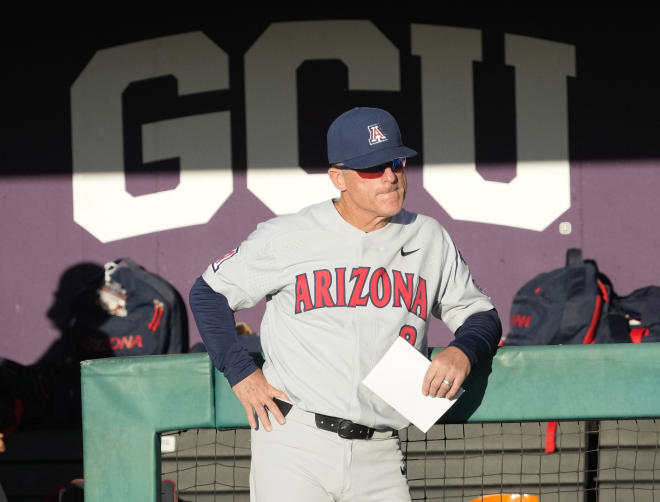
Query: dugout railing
(127, 402)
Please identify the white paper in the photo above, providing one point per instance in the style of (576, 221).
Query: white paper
(398, 378)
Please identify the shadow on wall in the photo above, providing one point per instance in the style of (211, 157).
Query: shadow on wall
(118, 309)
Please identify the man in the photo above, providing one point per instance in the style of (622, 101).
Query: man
(343, 279)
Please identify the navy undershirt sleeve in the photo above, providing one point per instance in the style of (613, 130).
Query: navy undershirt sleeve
(479, 336)
(215, 321)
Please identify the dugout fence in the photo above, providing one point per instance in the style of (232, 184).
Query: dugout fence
(606, 398)
(607, 461)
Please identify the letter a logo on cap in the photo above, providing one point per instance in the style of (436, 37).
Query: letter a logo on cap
(376, 135)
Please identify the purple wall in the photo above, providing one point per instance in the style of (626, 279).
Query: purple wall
(610, 133)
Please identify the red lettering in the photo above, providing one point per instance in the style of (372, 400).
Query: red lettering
(135, 341)
(302, 294)
(420, 300)
(380, 290)
(408, 333)
(360, 274)
(322, 282)
(403, 290)
(125, 342)
(521, 321)
(380, 275)
(341, 287)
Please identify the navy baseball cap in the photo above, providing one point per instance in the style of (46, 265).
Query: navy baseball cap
(365, 137)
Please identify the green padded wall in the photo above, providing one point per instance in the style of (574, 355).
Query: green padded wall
(566, 382)
(127, 401)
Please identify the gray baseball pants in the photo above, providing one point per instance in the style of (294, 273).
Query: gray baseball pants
(297, 462)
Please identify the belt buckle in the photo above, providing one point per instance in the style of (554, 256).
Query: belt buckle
(349, 430)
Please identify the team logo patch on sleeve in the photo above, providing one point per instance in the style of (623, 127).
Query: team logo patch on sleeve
(216, 264)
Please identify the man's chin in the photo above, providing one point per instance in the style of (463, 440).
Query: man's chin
(391, 210)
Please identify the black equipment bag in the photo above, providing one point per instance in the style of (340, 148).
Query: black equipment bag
(640, 310)
(129, 312)
(38, 395)
(125, 311)
(577, 305)
(24, 396)
(569, 305)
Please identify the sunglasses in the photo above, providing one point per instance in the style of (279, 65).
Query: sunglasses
(374, 172)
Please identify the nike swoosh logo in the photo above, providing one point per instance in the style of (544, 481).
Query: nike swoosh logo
(406, 253)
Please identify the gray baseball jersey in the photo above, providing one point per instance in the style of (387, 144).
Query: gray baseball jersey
(338, 297)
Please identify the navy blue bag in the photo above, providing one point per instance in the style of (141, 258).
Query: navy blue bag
(569, 305)
(129, 312)
(640, 310)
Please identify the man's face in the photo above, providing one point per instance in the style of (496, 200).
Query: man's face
(381, 196)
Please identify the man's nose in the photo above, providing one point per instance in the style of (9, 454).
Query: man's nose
(389, 175)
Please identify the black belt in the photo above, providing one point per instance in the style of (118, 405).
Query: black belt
(344, 428)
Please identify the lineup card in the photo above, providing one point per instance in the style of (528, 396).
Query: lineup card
(397, 379)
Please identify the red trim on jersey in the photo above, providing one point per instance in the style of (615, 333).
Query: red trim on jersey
(216, 264)
(228, 255)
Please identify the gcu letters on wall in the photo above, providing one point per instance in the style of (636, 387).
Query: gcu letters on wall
(537, 195)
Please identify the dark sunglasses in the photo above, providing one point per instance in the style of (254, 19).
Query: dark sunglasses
(374, 172)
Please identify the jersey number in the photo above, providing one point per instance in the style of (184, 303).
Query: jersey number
(408, 333)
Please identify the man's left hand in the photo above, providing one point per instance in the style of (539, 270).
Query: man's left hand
(446, 373)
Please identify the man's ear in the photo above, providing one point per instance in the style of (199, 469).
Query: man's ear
(337, 177)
